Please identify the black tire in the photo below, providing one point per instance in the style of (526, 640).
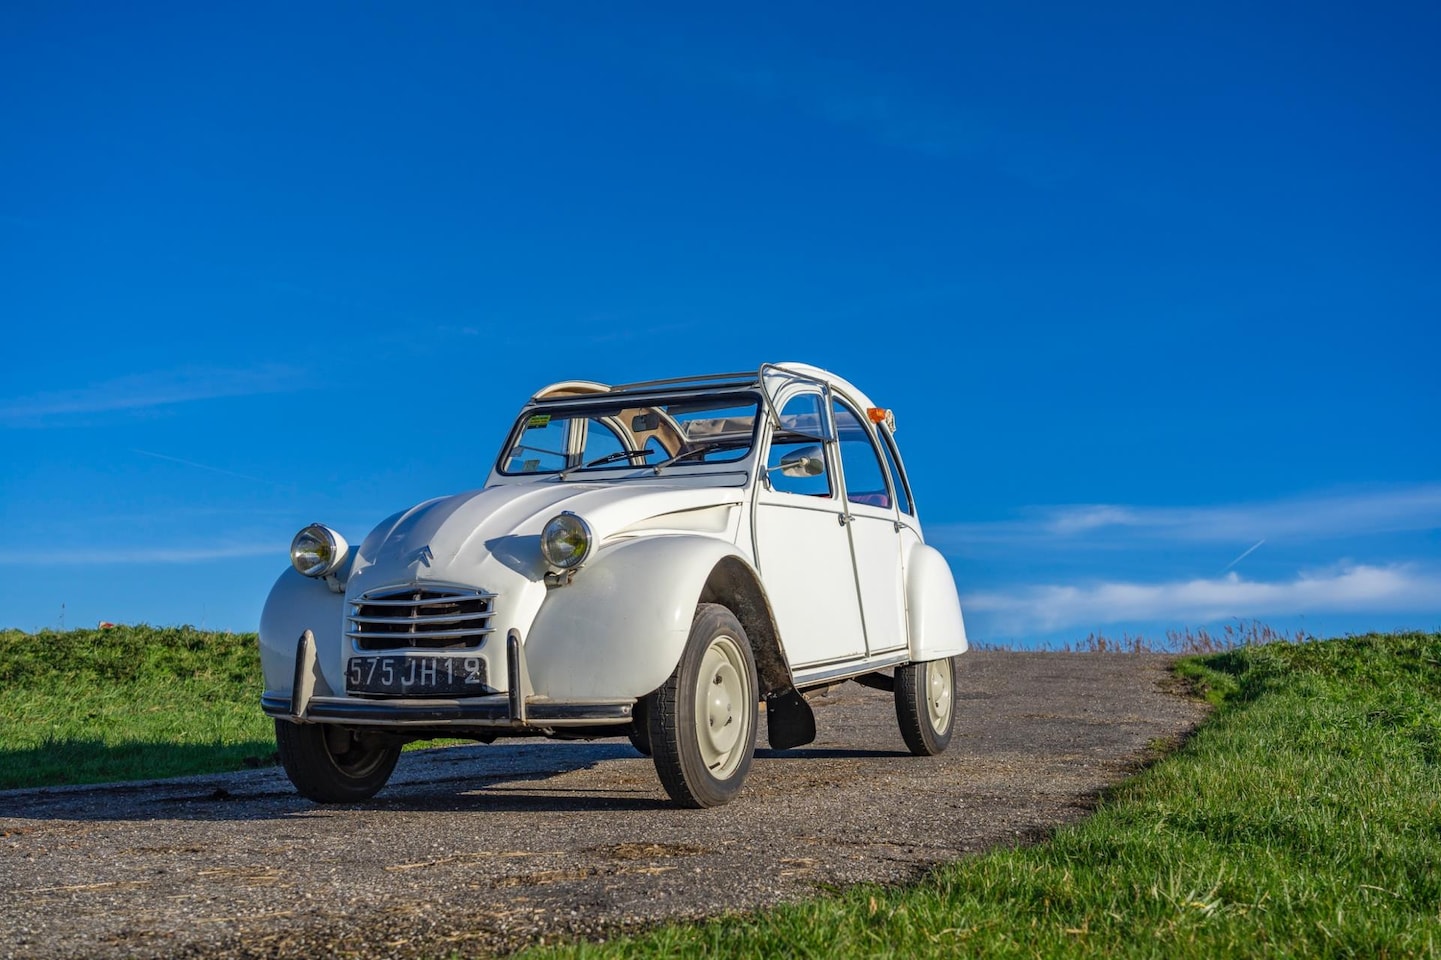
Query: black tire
(716, 681)
(926, 705)
(639, 732)
(330, 764)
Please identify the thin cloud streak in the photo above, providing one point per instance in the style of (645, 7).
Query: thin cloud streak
(1248, 551)
(1299, 518)
(203, 466)
(141, 391)
(1352, 589)
(103, 556)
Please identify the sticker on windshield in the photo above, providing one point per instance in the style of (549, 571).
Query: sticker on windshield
(539, 420)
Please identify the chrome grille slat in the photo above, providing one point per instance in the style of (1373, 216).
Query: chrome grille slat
(428, 634)
(420, 615)
(412, 601)
(427, 618)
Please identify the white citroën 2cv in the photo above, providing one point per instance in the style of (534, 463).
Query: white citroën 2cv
(652, 560)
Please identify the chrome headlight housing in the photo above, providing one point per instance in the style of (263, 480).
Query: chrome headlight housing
(566, 541)
(318, 551)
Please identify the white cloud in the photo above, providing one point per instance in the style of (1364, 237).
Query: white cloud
(1389, 510)
(99, 556)
(1074, 520)
(1350, 589)
(145, 390)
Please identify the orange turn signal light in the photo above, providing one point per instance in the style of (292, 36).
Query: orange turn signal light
(882, 415)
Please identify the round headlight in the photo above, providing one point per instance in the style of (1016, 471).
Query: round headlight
(565, 541)
(317, 550)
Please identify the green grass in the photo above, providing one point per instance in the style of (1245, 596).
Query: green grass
(128, 703)
(1303, 820)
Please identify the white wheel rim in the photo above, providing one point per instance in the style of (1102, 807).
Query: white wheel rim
(722, 714)
(938, 694)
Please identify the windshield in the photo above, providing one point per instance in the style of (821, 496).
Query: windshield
(625, 434)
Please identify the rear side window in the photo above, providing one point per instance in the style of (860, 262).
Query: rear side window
(865, 476)
(893, 460)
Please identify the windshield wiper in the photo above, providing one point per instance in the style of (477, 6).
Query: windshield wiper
(608, 458)
(693, 452)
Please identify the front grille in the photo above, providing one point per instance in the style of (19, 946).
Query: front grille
(419, 615)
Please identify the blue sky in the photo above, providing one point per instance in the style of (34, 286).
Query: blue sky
(1153, 291)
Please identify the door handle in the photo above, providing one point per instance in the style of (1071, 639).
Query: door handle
(844, 518)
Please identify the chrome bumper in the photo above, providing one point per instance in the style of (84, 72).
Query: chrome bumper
(493, 711)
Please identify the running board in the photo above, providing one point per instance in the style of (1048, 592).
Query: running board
(877, 681)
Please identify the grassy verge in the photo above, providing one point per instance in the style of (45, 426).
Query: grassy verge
(1303, 820)
(127, 703)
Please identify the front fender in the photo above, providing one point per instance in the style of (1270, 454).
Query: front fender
(936, 627)
(296, 604)
(618, 630)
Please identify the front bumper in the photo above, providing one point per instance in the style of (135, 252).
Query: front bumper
(518, 709)
(492, 711)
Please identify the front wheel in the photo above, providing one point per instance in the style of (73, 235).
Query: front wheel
(703, 719)
(926, 705)
(330, 764)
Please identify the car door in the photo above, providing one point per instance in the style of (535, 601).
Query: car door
(874, 528)
(907, 523)
(802, 544)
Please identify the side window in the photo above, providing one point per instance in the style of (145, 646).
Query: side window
(801, 434)
(893, 460)
(865, 476)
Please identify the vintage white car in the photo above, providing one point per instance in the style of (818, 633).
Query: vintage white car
(653, 560)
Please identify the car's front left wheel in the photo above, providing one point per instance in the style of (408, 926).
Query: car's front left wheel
(703, 719)
(330, 764)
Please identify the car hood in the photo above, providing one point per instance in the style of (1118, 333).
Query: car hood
(483, 537)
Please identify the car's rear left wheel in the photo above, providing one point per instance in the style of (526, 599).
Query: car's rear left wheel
(703, 719)
(330, 764)
(926, 704)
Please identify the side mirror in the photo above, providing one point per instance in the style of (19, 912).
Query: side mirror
(804, 462)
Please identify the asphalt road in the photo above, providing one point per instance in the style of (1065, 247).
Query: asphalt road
(489, 848)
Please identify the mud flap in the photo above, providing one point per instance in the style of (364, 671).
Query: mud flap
(789, 720)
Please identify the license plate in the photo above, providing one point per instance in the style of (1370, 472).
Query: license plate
(416, 676)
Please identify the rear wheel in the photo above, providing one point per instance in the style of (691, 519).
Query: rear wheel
(330, 764)
(926, 705)
(703, 719)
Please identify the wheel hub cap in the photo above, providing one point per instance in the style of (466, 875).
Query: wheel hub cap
(720, 702)
(938, 694)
